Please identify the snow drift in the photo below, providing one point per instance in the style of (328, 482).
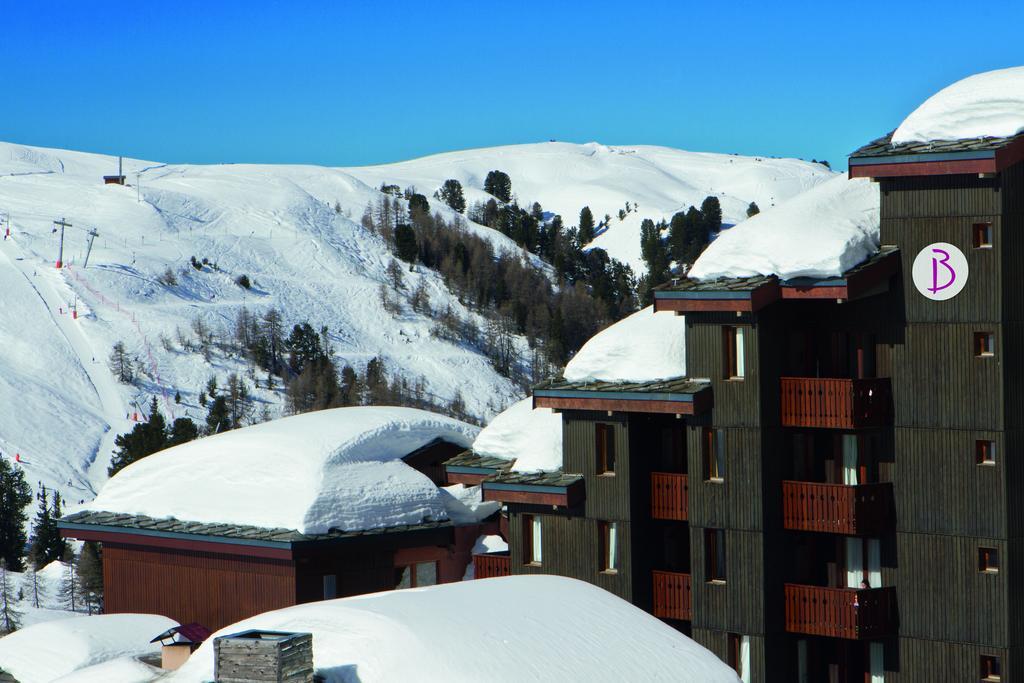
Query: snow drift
(45, 652)
(331, 469)
(989, 104)
(643, 347)
(536, 628)
(821, 233)
(532, 437)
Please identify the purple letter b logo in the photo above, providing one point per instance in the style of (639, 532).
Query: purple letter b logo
(940, 271)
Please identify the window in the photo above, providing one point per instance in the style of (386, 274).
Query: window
(330, 586)
(988, 560)
(733, 364)
(982, 235)
(605, 438)
(416, 575)
(985, 452)
(714, 454)
(714, 555)
(532, 542)
(608, 543)
(739, 655)
(984, 344)
(990, 668)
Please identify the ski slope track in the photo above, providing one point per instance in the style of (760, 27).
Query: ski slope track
(278, 225)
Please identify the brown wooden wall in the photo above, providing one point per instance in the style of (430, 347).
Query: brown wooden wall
(736, 402)
(608, 496)
(738, 604)
(915, 660)
(736, 501)
(570, 548)
(718, 643)
(214, 590)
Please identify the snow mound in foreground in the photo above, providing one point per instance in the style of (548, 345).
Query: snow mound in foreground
(532, 437)
(47, 651)
(643, 347)
(338, 468)
(989, 104)
(821, 233)
(538, 628)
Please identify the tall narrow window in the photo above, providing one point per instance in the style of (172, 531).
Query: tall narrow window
(714, 555)
(985, 452)
(982, 235)
(714, 454)
(990, 668)
(532, 541)
(739, 655)
(988, 560)
(984, 344)
(608, 543)
(733, 361)
(604, 435)
(330, 586)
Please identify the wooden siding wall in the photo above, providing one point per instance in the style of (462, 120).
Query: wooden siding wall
(363, 571)
(736, 501)
(738, 605)
(214, 590)
(718, 643)
(914, 660)
(608, 497)
(570, 548)
(736, 402)
(939, 488)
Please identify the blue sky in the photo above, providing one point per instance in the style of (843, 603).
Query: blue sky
(346, 83)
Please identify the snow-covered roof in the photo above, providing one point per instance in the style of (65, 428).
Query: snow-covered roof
(989, 104)
(331, 469)
(46, 651)
(820, 233)
(511, 629)
(465, 504)
(643, 347)
(531, 437)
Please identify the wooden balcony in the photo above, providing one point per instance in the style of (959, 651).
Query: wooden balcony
(672, 596)
(863, 510)
(669, 496)
(841, 612)
(835, 403)
(489, 565)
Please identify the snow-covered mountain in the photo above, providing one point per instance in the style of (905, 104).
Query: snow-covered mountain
(61, 406)
(565, 177)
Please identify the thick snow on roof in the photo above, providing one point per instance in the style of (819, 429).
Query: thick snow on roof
(643, 347)
(532, 437)
(329, 469)
(465, 504)
(989, 104)
(44, 652)
(821, 233)
(535, 628)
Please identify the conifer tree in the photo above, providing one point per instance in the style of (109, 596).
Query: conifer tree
(418, 204)
(90, 576)
(15, 494)
(711, 213)
(451, 194)
(498, 184)
(405, 243)
(145, 439)
(70, 587)
(10, 616)
(753, 210)
(585, 233)
(47, 543)
(31, 586)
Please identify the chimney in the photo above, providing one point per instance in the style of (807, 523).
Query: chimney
(257, 656)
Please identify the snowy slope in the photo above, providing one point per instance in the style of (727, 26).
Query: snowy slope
(314, 472)
(565, 177)
(276, 224)
(502, 630)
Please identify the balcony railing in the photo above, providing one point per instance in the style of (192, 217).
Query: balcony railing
(669, 496)
(489, 565)
(835, 508)
(841, 612)
(835, 403)
(672, 597)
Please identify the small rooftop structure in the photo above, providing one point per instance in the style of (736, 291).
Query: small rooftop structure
(257, 655)
(178, 642)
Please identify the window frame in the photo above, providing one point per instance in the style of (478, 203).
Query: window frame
(734, 365)
(985, 452)
(604, 440)
(413, 574)
(713, 447)
(533, 548)
(988, 560)
(715, 560)
(990, 673)
(984, 344)
(608, 542)
(982, 235)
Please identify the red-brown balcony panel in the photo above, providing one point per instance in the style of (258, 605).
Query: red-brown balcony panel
(672, 596)
(535, 488)
(835, 403)
(669, 496)
(489, 565)
(860, 510)
(847, 613)
(675, 396)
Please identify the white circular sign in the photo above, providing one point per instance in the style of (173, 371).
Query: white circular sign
(940, 271)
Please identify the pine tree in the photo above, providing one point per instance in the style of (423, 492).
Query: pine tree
(405, 243)
(35, 591)
(145, 439)
(10, 616)
(711, 211)
(451, 194)
(182, 431)
(585, 233)
(218, 417)
(498, 184)
(90, 576)
(753, 210)
(418, 204)
(70, 588)
(47, 543)
(121, 363)
(15, 494)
